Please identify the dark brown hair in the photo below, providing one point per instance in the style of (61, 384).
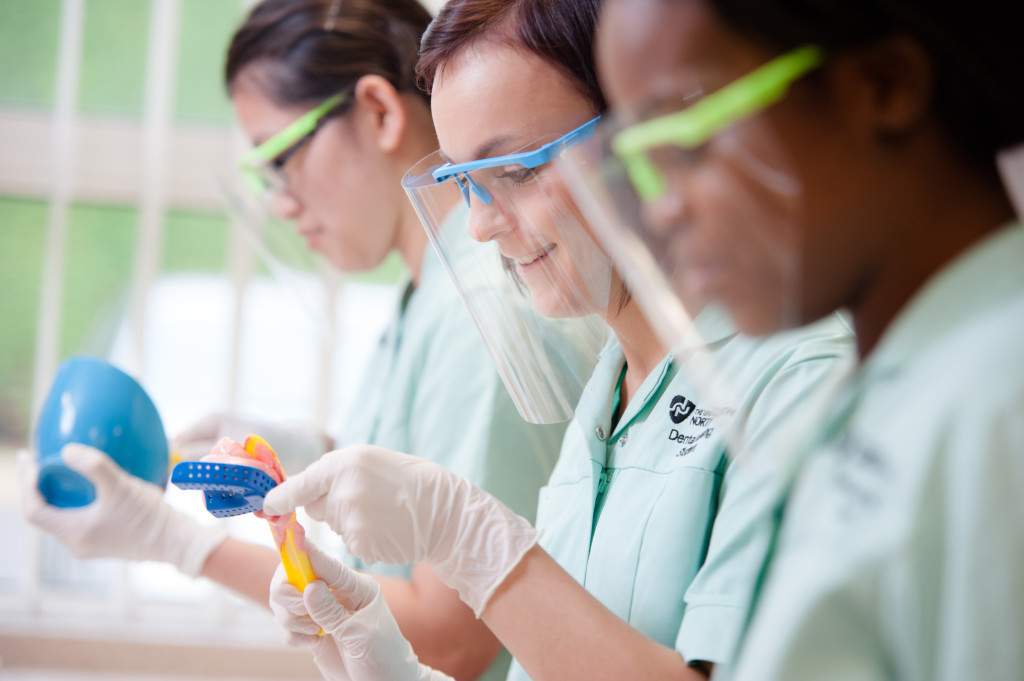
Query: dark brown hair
(975, 49)
(561, 32)
(313, 55)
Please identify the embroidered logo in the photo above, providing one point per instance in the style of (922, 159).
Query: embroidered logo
(692, 424)
(680, 409)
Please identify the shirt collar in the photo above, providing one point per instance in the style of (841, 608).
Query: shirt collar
(712, 325)
(974, 282)
(601, 388)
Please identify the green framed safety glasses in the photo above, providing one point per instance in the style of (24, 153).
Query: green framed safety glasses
(692, 127)
(263, 165)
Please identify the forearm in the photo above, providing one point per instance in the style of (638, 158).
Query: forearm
(245, 568)
(441, 628)
(559, 632)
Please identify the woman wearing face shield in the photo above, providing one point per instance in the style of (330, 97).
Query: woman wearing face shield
(325, 90)
(644, 472)
(898, 551)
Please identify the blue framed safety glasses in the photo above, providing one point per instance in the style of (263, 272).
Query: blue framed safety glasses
(527, 160)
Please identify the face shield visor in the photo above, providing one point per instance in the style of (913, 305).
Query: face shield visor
(700, 204)
(303, 276)
(698, 207)
(249, 197)
(526, 267)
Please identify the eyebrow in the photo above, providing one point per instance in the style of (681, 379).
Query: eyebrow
(485, 150)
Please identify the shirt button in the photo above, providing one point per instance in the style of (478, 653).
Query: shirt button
(600, 433)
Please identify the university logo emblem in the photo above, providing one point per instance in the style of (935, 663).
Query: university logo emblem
(680, 409)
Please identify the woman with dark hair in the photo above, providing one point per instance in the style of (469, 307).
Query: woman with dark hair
(898, 551)
(326, 91)
(643, 482)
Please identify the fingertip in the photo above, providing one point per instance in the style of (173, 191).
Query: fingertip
(327, 568)
(94, 465)
(82, 457)
(32, 503)
(274, 504)
(288, 590)
(297, 639)
(28, 468)
(317, 557)
(316, 589)
(316, 596)
(281, 499)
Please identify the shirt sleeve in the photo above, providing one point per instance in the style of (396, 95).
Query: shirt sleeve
(943, 603)
(969, 586)
(719, 598)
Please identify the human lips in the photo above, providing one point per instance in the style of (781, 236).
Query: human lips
(533, 259)
(311, 234)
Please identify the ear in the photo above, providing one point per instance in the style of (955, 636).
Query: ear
(386, 109)
(900, 78)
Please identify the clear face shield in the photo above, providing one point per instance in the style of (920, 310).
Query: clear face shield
(523, 260)
(699, 207)
(248, 200)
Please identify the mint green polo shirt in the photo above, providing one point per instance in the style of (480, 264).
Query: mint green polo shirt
(629, 510)
(901, 548)
(431, 389)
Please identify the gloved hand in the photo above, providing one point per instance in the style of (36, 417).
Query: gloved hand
(362, 641)
(296, 444)
(395, 508)
(128, 519)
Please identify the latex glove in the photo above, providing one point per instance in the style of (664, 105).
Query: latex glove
(395, 508)
(128, 519)
(296, 444)
(362, 641)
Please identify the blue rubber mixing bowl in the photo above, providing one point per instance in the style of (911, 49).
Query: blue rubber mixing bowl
(94, 403)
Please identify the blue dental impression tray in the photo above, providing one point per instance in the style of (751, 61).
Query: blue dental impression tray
(230, 490)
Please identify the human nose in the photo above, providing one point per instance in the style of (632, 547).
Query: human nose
(487, 222)
(285, 206)
(669, 210)
(665, 213)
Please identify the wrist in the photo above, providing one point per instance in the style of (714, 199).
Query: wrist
(186, 543)
(490, 544)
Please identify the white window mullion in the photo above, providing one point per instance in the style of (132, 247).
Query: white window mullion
(157, 115)
(157, 118)
(60, 197)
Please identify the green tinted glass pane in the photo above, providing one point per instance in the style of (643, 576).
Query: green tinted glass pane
(97, 278)
(114, 57)
(22, 240)
(206, 29)
(195, 242)
(28, 39)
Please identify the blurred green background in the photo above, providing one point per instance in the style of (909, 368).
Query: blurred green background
(101, 237)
